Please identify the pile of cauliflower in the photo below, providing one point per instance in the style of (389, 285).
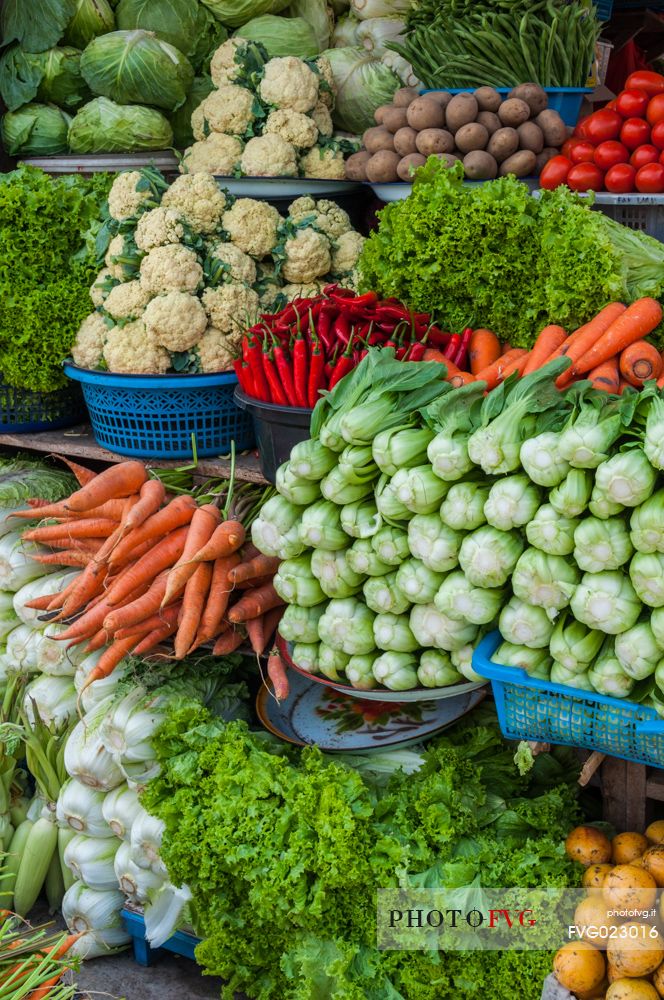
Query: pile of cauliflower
(188, 270)
(266, 117)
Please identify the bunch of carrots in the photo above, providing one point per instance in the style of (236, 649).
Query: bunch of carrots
(33, 962)
(153, 569)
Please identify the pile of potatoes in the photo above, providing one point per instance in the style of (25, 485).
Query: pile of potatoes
(622, 874)
(492, 136)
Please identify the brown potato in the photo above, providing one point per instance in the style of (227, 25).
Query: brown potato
(487, 98)
(425, 113)
(410, 163)
(356, 166)
(395, 118)
(531, 137)
(521, 164)
(533, 95)
(503, 143)
(378, 138)
(513, 112)
(449, 159)
(434, 140)
(382, 167)
(461, 110)
(490, 120)
(543, 158)
(627, 847)
(379, 113)
(479, 165)
(553, 127)
(470, 137)
(442, 97)
(405, 141)
(405, 96)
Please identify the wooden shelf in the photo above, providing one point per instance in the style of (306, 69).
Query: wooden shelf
(78, 442)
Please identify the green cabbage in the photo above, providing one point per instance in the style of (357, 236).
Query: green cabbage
(35, 130)
(363, 83)
(318, 15)
(181, 119)
(237, 12)
(173, 20)
(37, 24)
(281, 36)
(105, 127)
(52, 77)
(136, 67)
(92, 18)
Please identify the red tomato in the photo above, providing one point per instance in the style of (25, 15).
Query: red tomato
(585, 177)
(661, 157)
(582, 151)
(635, 132)
(643, 155)
(609, 153)
(650, 179)
(620, 179)
(655, 112)
(580, 128)
(569, 145)
(603, 125)
(554, 173)
(642, 79)
(632, 103)
(657, 137)
(611, 105)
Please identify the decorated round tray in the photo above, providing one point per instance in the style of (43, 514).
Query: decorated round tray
(317, 714)
(284, 187)
(378, 693)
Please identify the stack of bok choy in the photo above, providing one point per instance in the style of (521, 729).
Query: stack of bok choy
(417, 518)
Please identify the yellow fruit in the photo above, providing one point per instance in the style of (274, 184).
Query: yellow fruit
(655, 832)
(579, 967)
(627, 887)
(631, 989)
(626, 847)
(637, 951)
(653, 862)
(658, 979)
(594, 875)
(588, 845)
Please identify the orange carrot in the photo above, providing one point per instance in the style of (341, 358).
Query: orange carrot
(44, 991)
(494, 373)
(637, 321)
(585, 336)
(83, 475)
(220, 591)
(271, 623)
(507, 347)
(59, 599)
(89, 583)
(258, 566)
(109, 660)
(193, 603)
(548, 340)
(517, 365)
(68, 557)
(227, 537)
(254, 603)
(203, 523)
(141, 608)
(99, 639)
(151, 498)
(256, 581)
(100, 527)
(161, 556)
(640, 362)
(249, 551)
(605, 376)
(460, 378)
(117, 481)
(153, 638)
(42, 512)
(40, 603)
(432, 354)
(174, 515)
(256, 633)
(228, 642)
(484, 349)
(276, 671)
(93, 618)
(166, 616)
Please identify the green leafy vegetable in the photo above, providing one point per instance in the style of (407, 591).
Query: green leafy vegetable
(38, 24)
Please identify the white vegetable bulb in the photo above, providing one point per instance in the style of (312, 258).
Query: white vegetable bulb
(127, 730)
(86, 909)
(53, 699)
(100, 944)
(85, 755)
(53, 657)
(80, 808)
(136, 883)
(21, 650)
(146, 834)
(119, 809)
(52, 583)
(91, 860)
(163, 913)
(95, 693)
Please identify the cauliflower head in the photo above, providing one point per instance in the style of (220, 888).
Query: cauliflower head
(252, 226)
(101, 287)
(124, 200)
(269, 156)
(172, 268)
(199, 129)
(175, 321)
(323, 120)
(326, 216)
(289, 83)
(117, 249)
(229, 109)
(323, 163)
(326, 94)
(304, 291)
(293, 127)
(307, 256)
(238, 266)
(89, 344)
(198, 200)
(217, 351)
(127, 301)
(218, 154)
(130, 350)
(346, 253)
(232, 307)
(157, 228)
(223, 67)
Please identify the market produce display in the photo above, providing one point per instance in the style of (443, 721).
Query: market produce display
(188, 268)
(490, 134)
(618, 149)
(33, 961)
(519, 262)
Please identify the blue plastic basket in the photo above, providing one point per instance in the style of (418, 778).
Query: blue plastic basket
(181, 943)
(530, 709)
(23, 411)
(565, 100)
(154, 416)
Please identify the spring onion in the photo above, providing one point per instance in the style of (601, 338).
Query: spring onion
(550, 532)
(627, 478)
(638, 651)
(359, 671)
(544, 580)
(306, 655)
(420, 489)
(311, 460)
(488, 556)
(525, 624)
(435, 630)
(276, 529)
(383, 595)
(646, 572)
(332, 662)
(647, 524)
(361, 519)
(363, 559)
(296, 489)
(560, 675)
(295, 582)
(587, 438)
(433, 543)
(320, 527)
(541, 460)
(396, 671)
(436, 670)
(391, 545)
(299, 624)
(608, 677)
(393, 632)
(606, 601)
(601, 544)
(81, 808)
(90, 859)
(337, 489)
(463, 507)
(347, 625)
(571, 496)
(417, 582)
(574, 645)
(458, 598)
(512, 502)
(400, 448)
(334, 574)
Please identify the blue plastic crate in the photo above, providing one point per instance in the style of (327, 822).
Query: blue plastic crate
(23, 411)
(604, 10)
(154, 416)
(530, 709)
(566, 101)
(181, 943)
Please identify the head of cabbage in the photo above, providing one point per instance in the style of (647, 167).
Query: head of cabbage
(237, 12)
(281, 36)
(181, 119)
(102, 126)
(137, 67)
(363, 83)
(52, 77)
(35, 130)
(91, 18)
(188, 26)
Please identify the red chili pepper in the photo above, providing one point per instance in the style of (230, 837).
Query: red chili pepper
(416, 352)
(242, 372)
(342, 367)
(375, 337)
(363, 354)
(255, 361)
(437, 337)
(401, 353)
(277, 394)
(334, 292)
(341, 330)
(316, 379)
(387, 313)
(463, 347)
(390, 343)
(300, 373)
(453, 346)
(285, 371)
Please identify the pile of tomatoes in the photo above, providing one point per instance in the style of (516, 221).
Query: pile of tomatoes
(618, 149)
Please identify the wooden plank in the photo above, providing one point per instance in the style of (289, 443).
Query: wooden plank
(624, 794)
(655, 784)
(78, 442)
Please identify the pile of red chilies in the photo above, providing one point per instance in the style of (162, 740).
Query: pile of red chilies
(289, 356)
